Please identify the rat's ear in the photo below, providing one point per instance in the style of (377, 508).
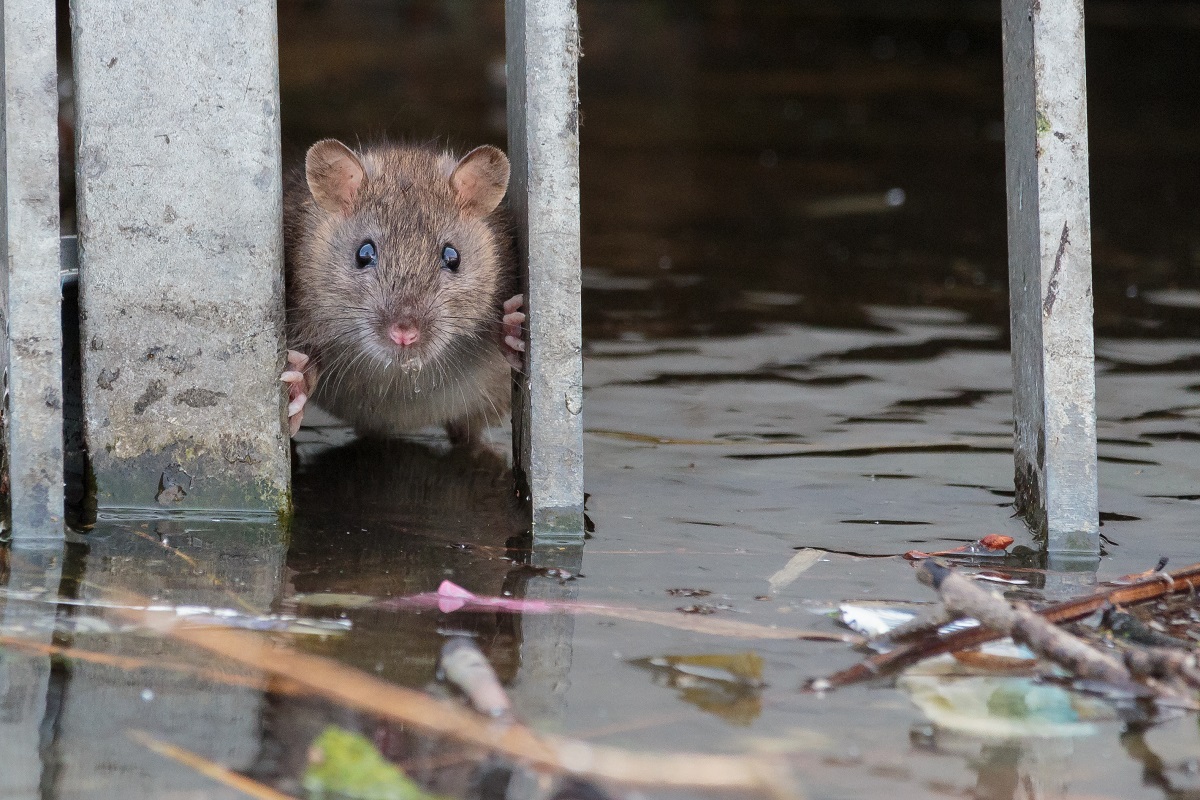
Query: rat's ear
(480, 179)
(334, 175)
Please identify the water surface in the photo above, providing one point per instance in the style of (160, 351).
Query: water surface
(795, 312)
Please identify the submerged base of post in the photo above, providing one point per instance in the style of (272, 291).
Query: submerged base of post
(552, 525)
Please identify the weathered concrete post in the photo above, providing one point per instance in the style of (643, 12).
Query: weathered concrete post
(30, 297)
(180, 249)
(1050, 280)
(543, 137)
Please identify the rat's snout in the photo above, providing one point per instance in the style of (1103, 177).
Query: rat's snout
(404, 334)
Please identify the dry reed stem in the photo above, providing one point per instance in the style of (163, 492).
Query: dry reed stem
(356, 689)
(209, 769)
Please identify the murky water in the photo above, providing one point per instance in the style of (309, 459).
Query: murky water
(795, 311)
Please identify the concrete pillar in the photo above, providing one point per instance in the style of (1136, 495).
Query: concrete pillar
(30, 333)
(1050, 281)
(543, 140)
(180, 249)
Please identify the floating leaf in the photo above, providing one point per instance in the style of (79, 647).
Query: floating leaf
(688, 592)
(996, 541)
(346, 766)
(732, 667)
(698, 608)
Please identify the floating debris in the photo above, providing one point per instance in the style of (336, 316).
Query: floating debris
(345, 766)
(450, 597)
(994, 544)
(1003, 708)
(794, 568)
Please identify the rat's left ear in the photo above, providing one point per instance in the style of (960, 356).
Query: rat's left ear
(480, 179)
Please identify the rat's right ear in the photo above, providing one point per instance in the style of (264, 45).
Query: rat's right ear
(480, 179)
(335, 175)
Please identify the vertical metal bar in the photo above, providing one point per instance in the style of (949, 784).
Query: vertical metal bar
(543, 136)
(1050, 281)
(29, 280)
(180, 249)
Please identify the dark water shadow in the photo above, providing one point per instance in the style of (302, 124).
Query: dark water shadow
(388, 519)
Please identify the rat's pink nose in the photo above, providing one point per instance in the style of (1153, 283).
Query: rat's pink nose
(404, 335)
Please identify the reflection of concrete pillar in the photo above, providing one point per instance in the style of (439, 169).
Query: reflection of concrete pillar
(539, 690)
(1039, 767)
(25, 679)
(543, 137)
(180, 251)
(30, 331)
(1050, 272)
(229, 565)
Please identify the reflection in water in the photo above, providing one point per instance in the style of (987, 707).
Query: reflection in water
(28, 690)
(377, 518)
(1015, 769)
(391, 518)
(729, 686)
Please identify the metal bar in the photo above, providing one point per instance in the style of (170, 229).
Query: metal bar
(180, 251)
(29, 282)
(543, 136)
(1050, 281)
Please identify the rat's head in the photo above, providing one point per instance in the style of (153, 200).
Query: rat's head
(410, 263)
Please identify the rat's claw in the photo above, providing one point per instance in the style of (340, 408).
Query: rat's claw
(296, 413)
(299, 386)
(514, 320)
(296, 406)
(514, 348)
(297, 360)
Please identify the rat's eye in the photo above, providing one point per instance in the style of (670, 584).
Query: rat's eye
(450, 258)
(366, 255)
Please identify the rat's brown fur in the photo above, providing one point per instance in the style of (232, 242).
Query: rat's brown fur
(338, 314)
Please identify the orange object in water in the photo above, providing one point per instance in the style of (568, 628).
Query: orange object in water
(996, 541)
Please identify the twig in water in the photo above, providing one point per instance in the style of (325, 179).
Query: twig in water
(210, 769)
(1177, 582)
(131, 663)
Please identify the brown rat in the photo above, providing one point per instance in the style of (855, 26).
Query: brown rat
(400, 275)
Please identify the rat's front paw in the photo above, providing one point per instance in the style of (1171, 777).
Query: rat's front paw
(513, 342)
(300, 385)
